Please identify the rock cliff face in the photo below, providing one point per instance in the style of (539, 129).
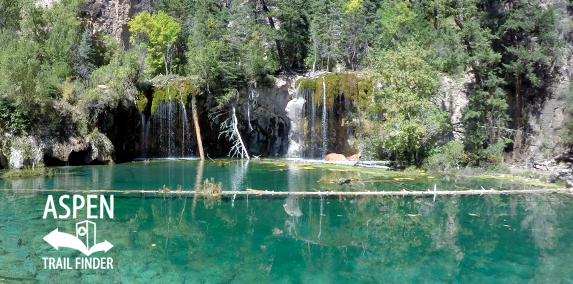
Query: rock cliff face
(263, 122)
(111, 16)
(544, 128)
(545, 135)
(453, 97)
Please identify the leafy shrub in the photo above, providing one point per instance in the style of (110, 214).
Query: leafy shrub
(446, 158)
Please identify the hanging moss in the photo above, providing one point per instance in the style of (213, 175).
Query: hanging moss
(178, 89)
(305, 83)
(141, 102)
(347, 84)
(365, 89)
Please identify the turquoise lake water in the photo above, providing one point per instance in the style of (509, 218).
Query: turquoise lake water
(258, 239)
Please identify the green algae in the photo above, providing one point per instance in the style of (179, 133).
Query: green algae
(518, 179)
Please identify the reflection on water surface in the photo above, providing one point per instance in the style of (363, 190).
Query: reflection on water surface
(249, 239)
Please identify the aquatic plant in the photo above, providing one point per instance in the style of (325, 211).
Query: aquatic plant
(211, 192)
(209, 187)
(28, 172)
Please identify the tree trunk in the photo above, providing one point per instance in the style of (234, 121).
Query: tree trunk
(197, 129)
(436, 23)
(518, 113)
(277, 42)
(490, 121)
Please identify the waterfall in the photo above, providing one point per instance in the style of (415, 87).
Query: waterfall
(294, 111)
(144, 136)
(324, 120)
(312, 125)
(167, 132)
(170, 123)
(249, 111)
(185, 126)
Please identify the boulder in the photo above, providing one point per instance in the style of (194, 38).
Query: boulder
(333, 157)
(354, 157)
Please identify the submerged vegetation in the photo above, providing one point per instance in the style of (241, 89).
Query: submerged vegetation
(28, 173)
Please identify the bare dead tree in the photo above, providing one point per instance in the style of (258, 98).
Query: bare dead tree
(230, 128)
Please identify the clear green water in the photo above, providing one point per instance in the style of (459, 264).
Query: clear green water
(278, 175)
(175, 239)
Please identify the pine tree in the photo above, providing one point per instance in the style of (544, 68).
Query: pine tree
(326, 33)
(528, 35)
(485, 116)
(84, 56)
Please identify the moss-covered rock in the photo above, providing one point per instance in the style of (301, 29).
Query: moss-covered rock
(174, 89)
(355, 86)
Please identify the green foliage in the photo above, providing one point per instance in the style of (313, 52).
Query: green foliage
(325, 34)
(113, 84)
(84, 56)
(446, 158)
(12, 118)
(28, 173)
(395, 14)
(48, 58)
(408, 83)
(158, 34)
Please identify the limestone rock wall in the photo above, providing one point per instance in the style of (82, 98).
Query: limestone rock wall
(546, 120)
(453, 97)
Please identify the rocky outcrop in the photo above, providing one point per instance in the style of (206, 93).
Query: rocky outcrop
(264, 119)
(453, 97)
(31, 151)
(544, 137)
(111, 16)
(354, 157)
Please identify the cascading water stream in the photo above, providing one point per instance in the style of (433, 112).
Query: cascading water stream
(324, 120)
(295, 112)
(142, 138)
(185, 125)
(170, 123)
(312, 124)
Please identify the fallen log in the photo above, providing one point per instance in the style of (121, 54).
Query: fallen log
(427, 193)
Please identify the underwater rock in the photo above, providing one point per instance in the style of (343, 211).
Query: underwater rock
(277, 231)
(333, 157)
